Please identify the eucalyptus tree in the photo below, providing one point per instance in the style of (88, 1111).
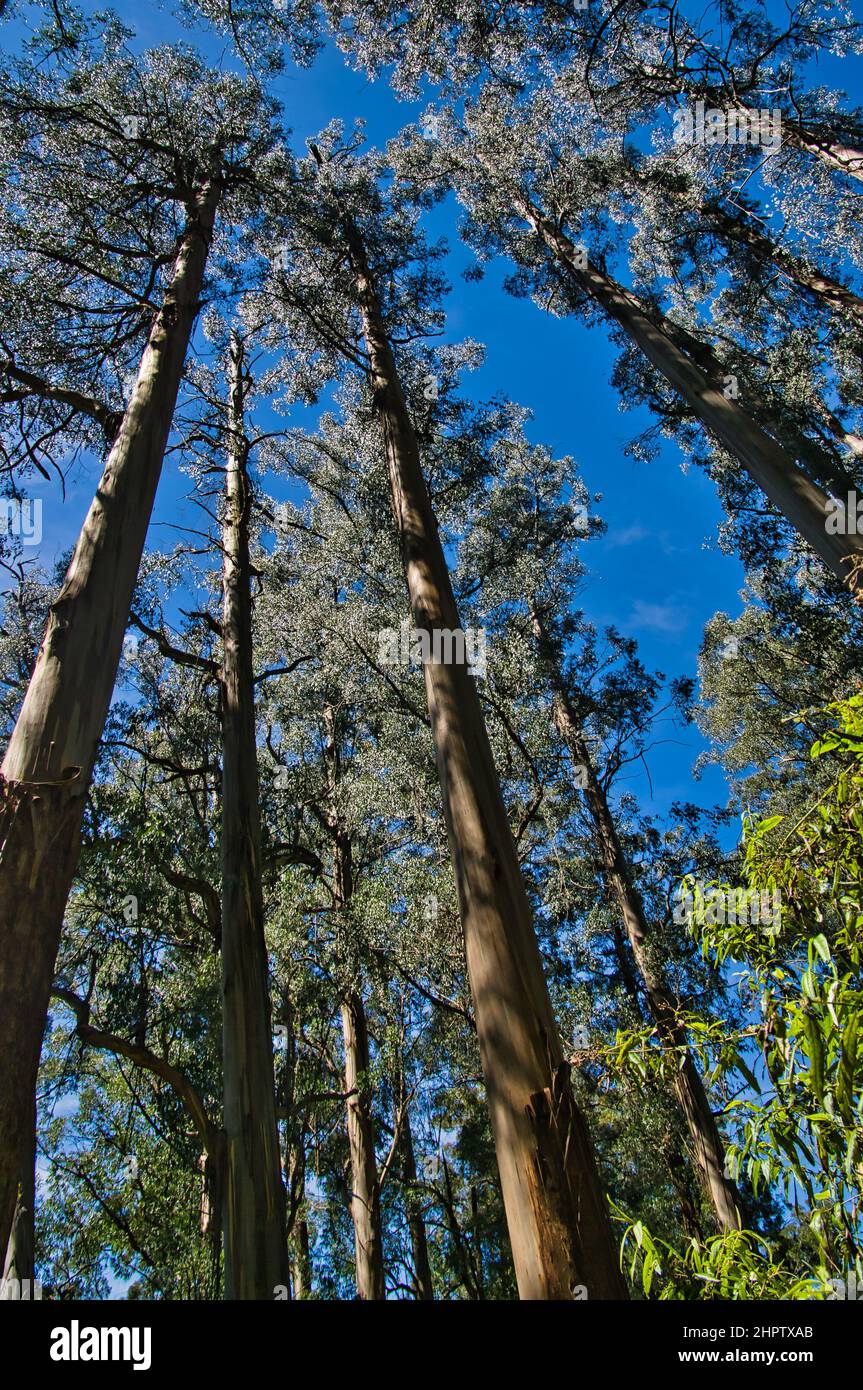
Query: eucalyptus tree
(716, 245)
(766, 680)
(597, 993)
(524, 542)
(560, 1232)
(330, 576)
(744, 60)
(777, 305)
(737, 55)
(194, 140)
(687, 198)
(520, 170)
(135, 1000)
(224, 439)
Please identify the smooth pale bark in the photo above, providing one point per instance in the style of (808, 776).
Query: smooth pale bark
(804, 505)
(844, 159)
(49, 762)
(853, 441)
(836, 155)
(365, 1183)
(707, 1146)
(817, 460)
(256, 1251)
(556, 1211)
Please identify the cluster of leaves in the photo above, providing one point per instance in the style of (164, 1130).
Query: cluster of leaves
(796, 1119)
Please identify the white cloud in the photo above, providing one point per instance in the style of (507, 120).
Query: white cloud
(670, 618)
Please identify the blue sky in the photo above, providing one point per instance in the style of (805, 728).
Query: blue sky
(657, 574)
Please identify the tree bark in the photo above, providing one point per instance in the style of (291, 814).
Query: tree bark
(836, 155)
(556, 1211)
(49, 762)
(256, 1252)
(821, 287)
(300, 1244)
(416, 1224)
(365, 1186)
(365, 1183)
(692, 1098)
(801, 502)
(19, 1266)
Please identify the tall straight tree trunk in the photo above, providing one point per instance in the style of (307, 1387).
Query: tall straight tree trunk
(256, 1252)
(801, 502)
(365, 1184)
(416, 1224)
(300, 1244)
(704, 1134)
(556, 1211)
(675, 1162)
(821, 287)
(49, 762)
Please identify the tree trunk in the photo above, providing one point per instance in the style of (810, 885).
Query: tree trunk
(821, 287)
(555, 1206)
(19, 1267)
(256, 1253)
(825, 147)
(303, 1262)
(843, 158)
(801, 501)
(676, 1165)
(48, 765)
(706, 1141)
(365, 1186)
(300, 1244)
(820, 463)
(416, 1224)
